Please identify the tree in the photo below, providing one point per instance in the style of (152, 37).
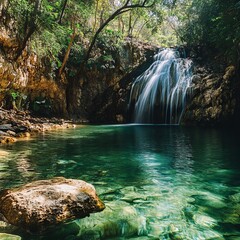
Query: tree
(66, 56)
(214, 24)
(30, 27)
(62, 12)
(127, 6)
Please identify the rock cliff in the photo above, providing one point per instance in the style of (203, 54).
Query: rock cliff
(28, 81)
(32, 82)
(215, 97)
(99, 90)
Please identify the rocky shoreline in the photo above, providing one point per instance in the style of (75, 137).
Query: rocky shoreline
(16, 125)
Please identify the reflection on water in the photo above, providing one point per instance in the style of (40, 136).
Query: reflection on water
(158, 182)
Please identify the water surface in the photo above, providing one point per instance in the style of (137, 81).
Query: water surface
(158, 182)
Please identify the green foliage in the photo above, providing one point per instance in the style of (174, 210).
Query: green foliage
(213, 23)
(107, 58)
(51, 38)
(110, 39)
(76, 55)
(20, 11)
(46, 43)
(18, 100)
(14, 95)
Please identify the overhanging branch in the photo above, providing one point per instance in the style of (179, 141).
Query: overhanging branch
(121, 10)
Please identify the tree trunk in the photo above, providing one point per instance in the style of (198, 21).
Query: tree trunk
(95, 16)
(62, 12)
(67, 53)
(130, 25)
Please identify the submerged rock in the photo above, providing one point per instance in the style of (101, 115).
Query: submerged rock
(235, 198)
(232, 215)
(5, 236)
(40, 204)
(120, 219)
(204, 220)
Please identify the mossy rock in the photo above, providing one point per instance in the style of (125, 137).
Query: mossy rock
(6, 236)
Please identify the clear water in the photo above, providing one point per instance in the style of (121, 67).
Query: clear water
(159, 95)
(158, 182)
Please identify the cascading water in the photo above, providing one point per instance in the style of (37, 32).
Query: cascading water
(159, 94)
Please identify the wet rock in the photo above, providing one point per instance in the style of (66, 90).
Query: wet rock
(6, 139)
(119, 118)
(210, 200)
(196, 78)
(232, 215)
(7, 228)
(21, 124)
(214, 97)
(6, 236)
(119, 219)
(130, 194)
(66, 231)
(229, 73)
(204, 221)
(11, 133)
(6, 127)
(3, 153)
(20, 129)
(2, 133)
(40, 204)
(23, 135)
(235, 198)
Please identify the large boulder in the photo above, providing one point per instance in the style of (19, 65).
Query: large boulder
(40, 204)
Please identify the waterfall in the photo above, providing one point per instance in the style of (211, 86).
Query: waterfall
(159, 94)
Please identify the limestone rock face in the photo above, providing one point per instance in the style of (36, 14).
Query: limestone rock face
(32, 81)
(214, 97)
(40, 204)
(111, 106)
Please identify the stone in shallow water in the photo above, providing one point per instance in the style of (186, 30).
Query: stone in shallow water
(119, 219)
(232, 214)
(204, 220)
(131, 196)
(7, 139)
(3, 153)
(64, 231)
(207, 234)
(6, 228)
(235, 198)
(6, 236)
(209, 199)
(40, 204)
